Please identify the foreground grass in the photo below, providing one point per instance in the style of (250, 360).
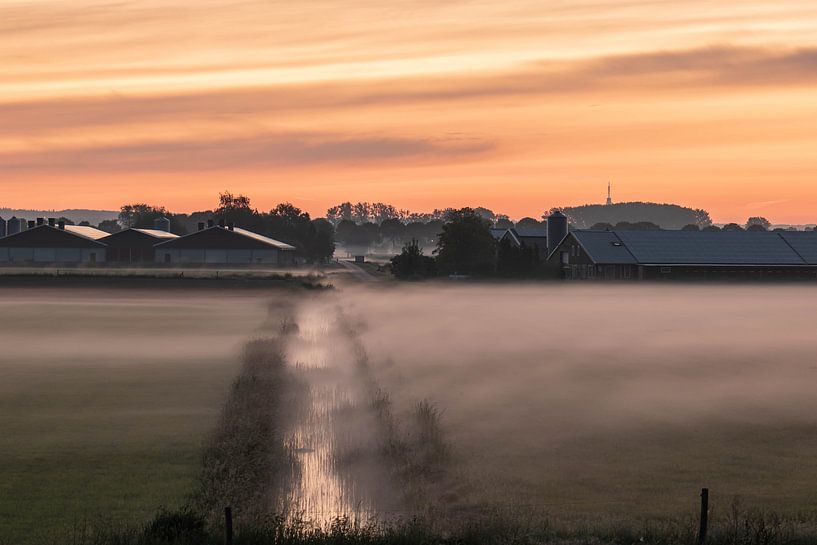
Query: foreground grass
(105, 402)
(184, 527)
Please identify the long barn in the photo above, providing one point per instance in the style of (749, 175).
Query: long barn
(656, 255)
(224, 245)
(54, 243)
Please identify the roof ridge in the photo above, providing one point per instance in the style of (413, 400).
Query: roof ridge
(793, 249)
(624, 245)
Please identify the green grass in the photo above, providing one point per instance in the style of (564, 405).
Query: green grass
(80, 442)
(106, 400)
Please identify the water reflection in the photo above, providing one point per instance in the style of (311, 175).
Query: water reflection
(329, 430)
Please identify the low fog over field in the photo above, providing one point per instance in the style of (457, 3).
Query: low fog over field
(615, 400)
(569, 405)
(106, 397)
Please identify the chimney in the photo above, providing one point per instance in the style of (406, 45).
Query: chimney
(231, 226)
(201, 226)
(40, 221)
(210, 223)
(31, 224)
(61, 225)
(52, 222)
(221, 222)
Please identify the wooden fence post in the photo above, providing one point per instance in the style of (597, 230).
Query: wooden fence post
(228, 526)
(704, 516)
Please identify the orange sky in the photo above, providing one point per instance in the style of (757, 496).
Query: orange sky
(514, 105)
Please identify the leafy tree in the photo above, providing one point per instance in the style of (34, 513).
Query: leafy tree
(516, 261)
(485, 213)
(637, 226)
(411, 264)
(712, 228)
(140, 215)
(756, 227)
(602, 226)
(668, 216)
(66, 221)
(732, 227)
(322, 244)
(690, 227)
(345, 231)
(144, 216)
(338, 213)
(503, 223)
(432, 230)
(529, 223)
(465, 245)
(238, 210)
(109, 226)
(758, 220)
(393, 230)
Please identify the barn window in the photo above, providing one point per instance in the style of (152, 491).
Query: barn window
(666, 270)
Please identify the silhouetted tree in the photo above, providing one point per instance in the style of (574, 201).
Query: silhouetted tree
(602, 226)
(529, 223)
(732, 227)
(411, 264)
(758, 220)
(503, 223)
(238, 210)
(109, 226)
(711, 228)
(465, 245)
(755, 227)
(690, 227)
(393, 230)
(322, 244)
(637, 226)
(516, 261)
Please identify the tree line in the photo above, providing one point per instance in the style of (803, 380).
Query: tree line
(466, 246)
(314, 239)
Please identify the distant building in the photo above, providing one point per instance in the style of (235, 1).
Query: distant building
(136, 245)
(220, 244)
(609, 194)
(654, 255)
(53, 243)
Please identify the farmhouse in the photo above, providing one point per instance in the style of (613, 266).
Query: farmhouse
(53, 243)
(655, 255)
(224, 244)
(137, 245)
(533, 238)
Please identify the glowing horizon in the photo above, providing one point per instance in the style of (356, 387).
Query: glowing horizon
(517, 106)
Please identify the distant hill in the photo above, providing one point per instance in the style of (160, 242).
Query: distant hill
(668, 216)
(94, 217)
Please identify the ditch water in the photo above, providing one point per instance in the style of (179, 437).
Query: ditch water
(337, 473)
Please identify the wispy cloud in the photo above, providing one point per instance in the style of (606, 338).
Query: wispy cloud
(260, 151)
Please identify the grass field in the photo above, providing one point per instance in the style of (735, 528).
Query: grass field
(609, 404)
(105, 400)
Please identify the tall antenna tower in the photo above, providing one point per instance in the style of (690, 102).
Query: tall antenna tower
(609, 194)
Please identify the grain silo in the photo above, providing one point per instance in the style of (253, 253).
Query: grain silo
(556, 230)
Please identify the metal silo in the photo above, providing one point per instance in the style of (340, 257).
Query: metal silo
(557, 230)
(14, 226)
(162, 224)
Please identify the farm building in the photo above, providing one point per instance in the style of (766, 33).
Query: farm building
(656, 255)
(137, 245)
(53, 243)
(220, 244)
